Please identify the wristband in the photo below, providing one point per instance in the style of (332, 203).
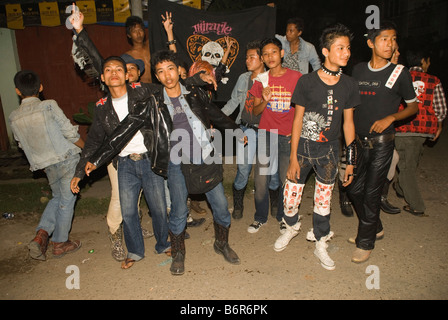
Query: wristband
(351, 153)
(171, 42)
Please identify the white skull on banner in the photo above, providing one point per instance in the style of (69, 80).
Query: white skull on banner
(212, 52)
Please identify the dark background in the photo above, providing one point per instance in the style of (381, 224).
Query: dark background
(420, 23)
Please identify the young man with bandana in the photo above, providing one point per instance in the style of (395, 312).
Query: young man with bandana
(324, 99)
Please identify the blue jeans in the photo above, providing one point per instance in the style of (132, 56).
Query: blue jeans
(179, 194)
(57, 217)
(132, 177)
(270, 161)
(244, 169)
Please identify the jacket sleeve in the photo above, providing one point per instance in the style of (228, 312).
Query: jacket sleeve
(195, 80)
(85, 53)
(94, 140)
(234, 101)
(125, 131)
(215, 114)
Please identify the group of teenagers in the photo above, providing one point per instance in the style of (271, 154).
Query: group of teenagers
(306, 120)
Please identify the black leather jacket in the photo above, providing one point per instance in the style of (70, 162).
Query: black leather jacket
(145, 103)
(207, 112)
(155, 128)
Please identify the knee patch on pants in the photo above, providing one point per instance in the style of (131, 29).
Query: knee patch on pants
(292, 197)
(322, 198)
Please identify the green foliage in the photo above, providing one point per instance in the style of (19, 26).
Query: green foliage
(85, 118)
(34, 196)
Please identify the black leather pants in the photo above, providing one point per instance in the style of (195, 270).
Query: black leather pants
(365, 191)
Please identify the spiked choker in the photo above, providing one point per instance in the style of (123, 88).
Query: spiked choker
(332, 73)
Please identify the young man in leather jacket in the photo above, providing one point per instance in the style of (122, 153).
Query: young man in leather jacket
(188, 108)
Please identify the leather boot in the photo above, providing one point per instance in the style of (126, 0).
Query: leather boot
(344, 201)
(177, 253)
(238, 202)
(221, 244)
(38, 246)
(385, 205)
(116, 247)
(61, 248)
(273, 196)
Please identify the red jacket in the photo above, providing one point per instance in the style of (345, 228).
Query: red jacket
(425, 121)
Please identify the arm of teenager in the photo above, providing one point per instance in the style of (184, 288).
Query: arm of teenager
(200, 79)
(234, 101)
(293, 172)
(381, 125)
(314, 59)
(79, 143)
(349, 134)
(95, 136)
(121, 136)
(261, 103)
(439, 105)
(406, 90)
(168, 25)
(83, 41)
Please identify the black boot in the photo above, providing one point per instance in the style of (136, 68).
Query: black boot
(238, 202)
(385, 205)
(221, 244)
(344, 201)
(273, 196)
(177, 253)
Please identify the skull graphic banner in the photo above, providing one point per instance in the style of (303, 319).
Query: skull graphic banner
(201, 35)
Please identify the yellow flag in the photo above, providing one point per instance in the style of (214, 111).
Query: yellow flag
(14, 17)
(49, 14)
(88, 8)
(193, 3)
(121, 10)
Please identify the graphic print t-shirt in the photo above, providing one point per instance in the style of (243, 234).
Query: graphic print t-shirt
(379, 97)
(278, 113)
(324, 105)
(186, 140)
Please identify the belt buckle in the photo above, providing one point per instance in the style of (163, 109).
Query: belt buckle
(135, 156)
(367, 143)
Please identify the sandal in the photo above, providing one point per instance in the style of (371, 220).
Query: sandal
(127, 263)
(412, 211)
(168, 252)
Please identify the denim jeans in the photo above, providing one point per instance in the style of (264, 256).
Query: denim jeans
(271, 160)
(365, 190)
(57, 217)
(179, 194)
(132, 177)
(244, 169)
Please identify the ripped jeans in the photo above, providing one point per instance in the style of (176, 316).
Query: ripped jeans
(323, 159)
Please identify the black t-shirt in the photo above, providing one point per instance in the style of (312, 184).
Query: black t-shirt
(324, 105)
(380, 96)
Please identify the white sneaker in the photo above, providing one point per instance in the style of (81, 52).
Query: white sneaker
(282, 225)
(322, 254)
(283, 240)
(254, 227)
(310, 236)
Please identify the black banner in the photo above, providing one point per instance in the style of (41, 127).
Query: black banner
(198, 32)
